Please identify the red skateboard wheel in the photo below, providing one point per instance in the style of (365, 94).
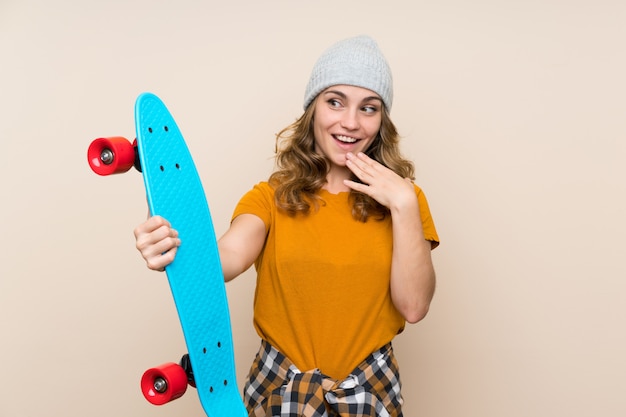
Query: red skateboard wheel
(164, 383)
(113, 155)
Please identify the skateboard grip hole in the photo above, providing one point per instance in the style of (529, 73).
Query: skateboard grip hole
(150, 129)
(219, 344)
(177, 166)
(204, 350)
(211, 389)
(162, 168)
(166, 128)
(225, 382)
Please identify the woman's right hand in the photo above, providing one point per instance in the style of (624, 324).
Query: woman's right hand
(157, 242)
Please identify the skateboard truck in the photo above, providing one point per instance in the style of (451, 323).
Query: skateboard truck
(185, 363)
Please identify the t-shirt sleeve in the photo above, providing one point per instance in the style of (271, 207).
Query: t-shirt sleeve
(258, 201)
(430, 232)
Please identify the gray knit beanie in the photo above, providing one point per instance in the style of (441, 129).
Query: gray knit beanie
(355, 61)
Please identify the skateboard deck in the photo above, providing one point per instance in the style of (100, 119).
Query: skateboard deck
(174, 191)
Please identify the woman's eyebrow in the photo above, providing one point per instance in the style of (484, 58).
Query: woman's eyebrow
(373, 98)
(337, 92)
(342, 95)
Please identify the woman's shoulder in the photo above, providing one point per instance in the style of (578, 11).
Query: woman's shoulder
(260, 191)
(264, 187)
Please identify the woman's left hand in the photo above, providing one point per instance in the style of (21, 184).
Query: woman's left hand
(379, 182)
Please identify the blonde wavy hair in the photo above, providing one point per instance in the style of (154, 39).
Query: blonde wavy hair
(301, 171)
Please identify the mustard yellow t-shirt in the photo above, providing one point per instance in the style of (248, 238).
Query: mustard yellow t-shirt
(322, 295)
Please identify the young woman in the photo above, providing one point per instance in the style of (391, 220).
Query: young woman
(340, 238)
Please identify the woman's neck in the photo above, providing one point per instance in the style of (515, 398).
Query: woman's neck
(334, 182)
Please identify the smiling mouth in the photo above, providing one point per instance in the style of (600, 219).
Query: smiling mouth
(345, 139)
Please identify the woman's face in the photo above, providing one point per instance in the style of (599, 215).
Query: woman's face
(346, 119)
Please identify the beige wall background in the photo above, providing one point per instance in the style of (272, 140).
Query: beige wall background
(513, 111)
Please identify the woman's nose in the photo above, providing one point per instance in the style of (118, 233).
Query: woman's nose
(350, 120)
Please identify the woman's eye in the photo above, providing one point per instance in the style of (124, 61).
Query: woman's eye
(334, 102)
(370, 109)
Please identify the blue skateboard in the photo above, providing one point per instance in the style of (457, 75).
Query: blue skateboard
(174, 191)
